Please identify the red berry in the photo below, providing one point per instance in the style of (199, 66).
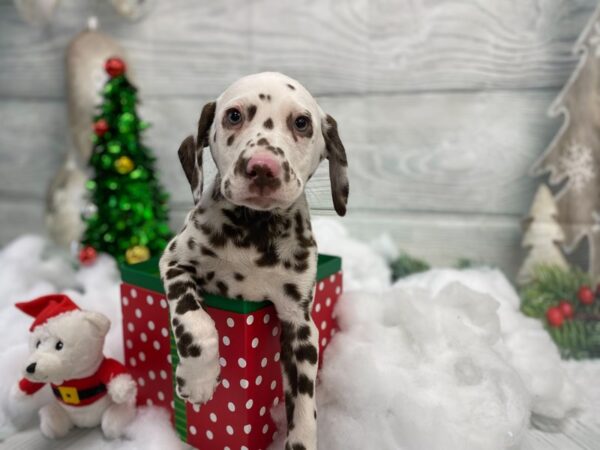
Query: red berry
(87, 255)
(100, 127)
(585, 295)
(566, 308)
(114, 67)
(555, 316)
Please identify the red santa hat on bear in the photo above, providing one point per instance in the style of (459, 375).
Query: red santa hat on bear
(47, 307)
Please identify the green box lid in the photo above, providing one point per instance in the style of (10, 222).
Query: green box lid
(146, 275)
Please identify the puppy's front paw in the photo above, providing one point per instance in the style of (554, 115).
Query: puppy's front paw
(197, 379)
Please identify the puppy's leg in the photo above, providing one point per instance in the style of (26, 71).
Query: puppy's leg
(299, 360)
(195, 332)
(54, 421)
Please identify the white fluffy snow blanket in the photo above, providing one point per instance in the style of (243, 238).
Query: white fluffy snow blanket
(439, 360)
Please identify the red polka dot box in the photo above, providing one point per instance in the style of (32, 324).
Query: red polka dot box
(238, 416)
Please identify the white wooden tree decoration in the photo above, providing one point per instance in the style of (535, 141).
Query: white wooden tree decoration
(543, 236)
(65, 201)
(572, 159)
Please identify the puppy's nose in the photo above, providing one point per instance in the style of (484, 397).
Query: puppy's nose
(263, 165)
(30, 368)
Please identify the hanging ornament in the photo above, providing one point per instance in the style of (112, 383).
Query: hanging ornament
(124, 165)
(137, 254)
(100, 127)
(89, 210)
(87, 255)
(114, 67)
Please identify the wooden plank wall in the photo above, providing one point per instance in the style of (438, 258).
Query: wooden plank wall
(441, 103)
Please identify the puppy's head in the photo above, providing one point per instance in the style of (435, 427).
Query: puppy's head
(66, 346)
(267, 135)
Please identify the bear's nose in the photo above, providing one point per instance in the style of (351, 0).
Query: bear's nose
(30, 368)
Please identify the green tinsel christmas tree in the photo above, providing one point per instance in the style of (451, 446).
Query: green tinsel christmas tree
(129, 215)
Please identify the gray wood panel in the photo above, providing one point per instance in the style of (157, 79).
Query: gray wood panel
(195, 48)
(33, 142)
(440, 239)
(444, 152)
(19, 217)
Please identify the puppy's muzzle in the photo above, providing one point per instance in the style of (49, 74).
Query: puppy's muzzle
(263, 172)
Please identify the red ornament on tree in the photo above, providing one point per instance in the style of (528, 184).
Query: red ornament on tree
(555, 316)
(87, 255)
(100, 127)
(586, 295)
(566, 308)
(114, 67)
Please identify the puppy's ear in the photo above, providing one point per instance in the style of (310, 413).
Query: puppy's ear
(206, 119)
(190, 151)
(100, 323)
(190, 158)
(338, 164)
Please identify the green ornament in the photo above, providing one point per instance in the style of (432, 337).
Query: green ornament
(136, 174)
(114, 147)
(126, 122)
(106, 161)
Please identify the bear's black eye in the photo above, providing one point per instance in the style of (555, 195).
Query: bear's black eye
(37, 344)
(234, 116)
(301, 123)
(59, 345)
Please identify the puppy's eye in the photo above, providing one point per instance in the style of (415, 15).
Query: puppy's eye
(37, 344)
(301, 123)
(59, 345)
(234, 116)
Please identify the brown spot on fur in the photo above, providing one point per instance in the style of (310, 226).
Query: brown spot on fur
(230, 139)
(286, 171)
(268, 124)
(263, 141)
(238, 276)
(251, 112)
(291, 87)
(289, 121)
(240, 165)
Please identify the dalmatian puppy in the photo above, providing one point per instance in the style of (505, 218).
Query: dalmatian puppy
(249, 236)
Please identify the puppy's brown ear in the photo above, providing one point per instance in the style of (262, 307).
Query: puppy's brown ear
(206, 119)
(190, 158)
(190, 151)
(338, 164)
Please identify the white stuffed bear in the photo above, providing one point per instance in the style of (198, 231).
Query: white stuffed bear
(66, 351)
